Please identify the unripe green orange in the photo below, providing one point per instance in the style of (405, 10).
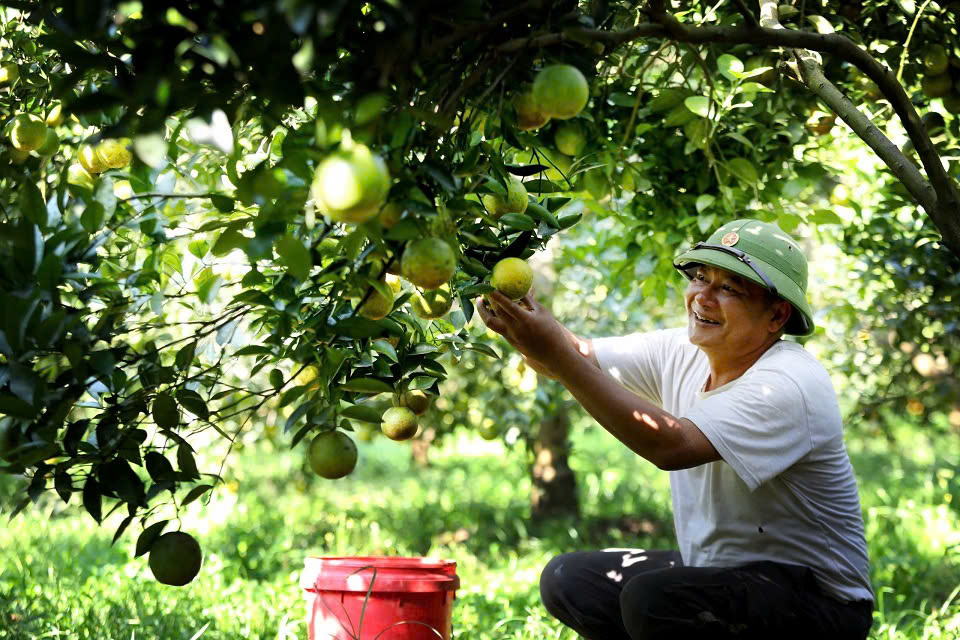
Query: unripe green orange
(417, 401)
(50, 144)
(376, 306)
(433, 303)
(561, 91)
(570, 138)
(175, 558)
(428, 262)
(351, 185)
(28, 132)
(399, 423)
(529, 114)
(9, 73)
(332, 455)
(512, 277)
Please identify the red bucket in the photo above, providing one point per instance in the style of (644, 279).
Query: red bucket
(375, 598)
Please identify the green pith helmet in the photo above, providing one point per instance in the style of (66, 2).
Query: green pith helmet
(762, 253)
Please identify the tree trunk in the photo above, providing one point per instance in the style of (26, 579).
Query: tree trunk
(420, 447)
(554, 491)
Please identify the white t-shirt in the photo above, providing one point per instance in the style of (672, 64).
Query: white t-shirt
(785, 489)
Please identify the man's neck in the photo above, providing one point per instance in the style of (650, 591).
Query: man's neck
(724, 370)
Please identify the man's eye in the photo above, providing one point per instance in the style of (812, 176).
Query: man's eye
(727, 287)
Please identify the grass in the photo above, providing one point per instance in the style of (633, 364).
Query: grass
(61, 578)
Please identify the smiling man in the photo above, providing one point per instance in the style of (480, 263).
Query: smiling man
(766, 509)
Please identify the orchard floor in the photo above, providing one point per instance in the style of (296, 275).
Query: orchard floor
(61, 578)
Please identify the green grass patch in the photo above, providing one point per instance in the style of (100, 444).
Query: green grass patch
(61, 578)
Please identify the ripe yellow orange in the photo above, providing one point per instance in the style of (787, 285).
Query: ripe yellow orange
(351, 185)
(515, 201)
(332, 455)
(90, 160)
(561, 91)
(77, 175)
(55, 116)
(113, 153)
(512, 277)
(175, 558)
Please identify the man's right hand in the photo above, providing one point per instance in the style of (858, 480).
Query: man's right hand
(525, 324)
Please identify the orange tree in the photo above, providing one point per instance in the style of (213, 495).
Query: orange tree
(232, 186)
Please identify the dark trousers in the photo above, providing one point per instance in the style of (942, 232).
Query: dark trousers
(631, 594)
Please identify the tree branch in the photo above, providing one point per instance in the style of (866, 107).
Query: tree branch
(941, 208)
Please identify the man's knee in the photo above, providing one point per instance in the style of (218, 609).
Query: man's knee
(554, 584)
(642, 601)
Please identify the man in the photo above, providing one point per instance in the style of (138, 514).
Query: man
(765, 502)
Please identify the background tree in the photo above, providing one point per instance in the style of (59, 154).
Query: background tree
(156, 304)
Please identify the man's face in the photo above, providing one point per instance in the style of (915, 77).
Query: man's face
(729, 315)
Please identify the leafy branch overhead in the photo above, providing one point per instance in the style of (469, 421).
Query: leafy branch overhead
(219, 216)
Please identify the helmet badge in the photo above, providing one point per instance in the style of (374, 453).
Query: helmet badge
(730, 239)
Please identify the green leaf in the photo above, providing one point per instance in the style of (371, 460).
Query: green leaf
(199, 247)
(294, 256)
(14, 406)
(704, 202)
(730, 66)
(186, 462)
(482, 348)
(195, 493)
(744, 170)
(193, 402)
(367, 385)
(92, 498)
(821, 24)
(208, 285)
(148, 537)
(699, 105)
(31, 204)
(824, 216)
(363, 413)
(93, 217)
(165, 412)
(384, 347)
(519, 221)
(223, 203)
(228, 241)
(422, 382)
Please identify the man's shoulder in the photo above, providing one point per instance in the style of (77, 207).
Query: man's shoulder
(790, 358)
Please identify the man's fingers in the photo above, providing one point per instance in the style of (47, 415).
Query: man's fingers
(505, 306)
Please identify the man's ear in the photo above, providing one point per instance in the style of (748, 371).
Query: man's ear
(781, 314)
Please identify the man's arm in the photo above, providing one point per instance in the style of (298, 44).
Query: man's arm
(648, 430)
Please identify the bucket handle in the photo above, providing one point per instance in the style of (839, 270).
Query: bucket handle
(398, 623)
(355, 635)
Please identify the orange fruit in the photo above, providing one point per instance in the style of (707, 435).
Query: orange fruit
(175, 558)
